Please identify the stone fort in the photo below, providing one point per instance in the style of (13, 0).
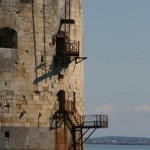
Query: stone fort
(41, 75)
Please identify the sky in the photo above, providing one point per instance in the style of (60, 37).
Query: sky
(117, 71)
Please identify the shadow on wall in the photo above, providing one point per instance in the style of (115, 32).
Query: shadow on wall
(55, 68)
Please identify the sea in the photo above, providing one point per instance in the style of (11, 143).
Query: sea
(116, 147)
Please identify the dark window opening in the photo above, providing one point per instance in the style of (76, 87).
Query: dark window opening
(74, 101)
(0, 40)
(61, 99)
(74, 96)
(26, 1)
(7, 135)
(8, 38)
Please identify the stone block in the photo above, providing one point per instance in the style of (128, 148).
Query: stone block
(29, 120)
(34, 124)
(31, 106)
(44, 107)
(36, 97)
(14, 119)
(43, 135)
(24, 102)
(18, 106)
(38, 106)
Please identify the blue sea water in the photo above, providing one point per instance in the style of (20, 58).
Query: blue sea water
(116, 147)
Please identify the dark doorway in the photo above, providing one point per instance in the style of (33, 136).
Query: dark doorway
(60, 43)
(61, 99)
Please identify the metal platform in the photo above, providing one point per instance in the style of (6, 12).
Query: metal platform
(77, 124)
(94, 121)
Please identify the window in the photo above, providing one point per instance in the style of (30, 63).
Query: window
(8, 38)
(26, 1)
(8, 49)
(6, 134)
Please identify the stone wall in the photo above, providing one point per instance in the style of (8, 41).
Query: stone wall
(29, 86)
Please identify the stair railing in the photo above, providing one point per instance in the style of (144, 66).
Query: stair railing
(71, 109)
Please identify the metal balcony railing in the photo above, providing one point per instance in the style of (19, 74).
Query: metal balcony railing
(79, 121)
(95, 121)
(70, 108)
(71, 48)
(66, 48)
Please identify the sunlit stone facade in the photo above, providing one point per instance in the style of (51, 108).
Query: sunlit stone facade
(30, 79)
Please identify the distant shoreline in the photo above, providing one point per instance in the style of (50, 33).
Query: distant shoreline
(119, 140)
(116, 144)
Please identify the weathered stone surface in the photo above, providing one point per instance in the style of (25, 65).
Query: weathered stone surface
(30, 85)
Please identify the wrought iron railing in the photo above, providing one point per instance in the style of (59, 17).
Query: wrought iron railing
(70, 108)
(100, 121)
(71, 48)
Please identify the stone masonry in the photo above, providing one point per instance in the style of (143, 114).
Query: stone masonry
(29, 78)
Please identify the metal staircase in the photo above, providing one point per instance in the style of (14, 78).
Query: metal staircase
(78, 125)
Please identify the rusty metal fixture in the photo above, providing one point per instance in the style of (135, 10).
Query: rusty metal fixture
(21, 114)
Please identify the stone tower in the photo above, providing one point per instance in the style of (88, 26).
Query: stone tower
(41, 73)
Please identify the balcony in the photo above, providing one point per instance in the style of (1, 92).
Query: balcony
(95, 121)
(86, 121)
(66, 47)
(71, 48)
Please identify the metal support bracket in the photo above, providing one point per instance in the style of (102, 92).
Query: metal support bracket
(81, 137)
(79, 59)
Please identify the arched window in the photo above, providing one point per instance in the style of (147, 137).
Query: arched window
(8, 38)
(8, 49)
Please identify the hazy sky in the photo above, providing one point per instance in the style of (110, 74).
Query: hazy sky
(117, 71)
